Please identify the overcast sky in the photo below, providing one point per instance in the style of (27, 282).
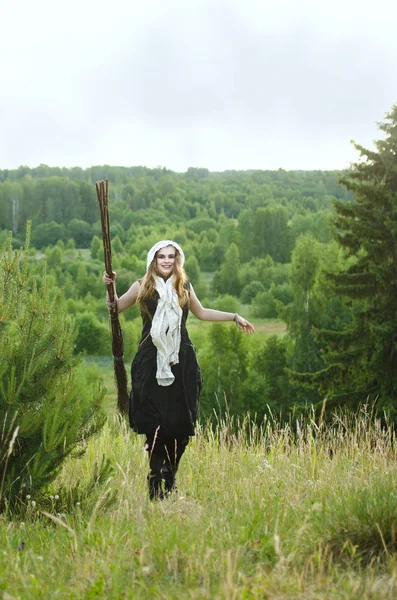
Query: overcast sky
(222, 84)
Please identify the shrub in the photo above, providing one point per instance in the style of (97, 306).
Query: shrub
(46, 411)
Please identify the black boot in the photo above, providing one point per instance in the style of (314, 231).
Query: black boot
(174, 448)
(155, 487)
(155, 480)
(168, 476)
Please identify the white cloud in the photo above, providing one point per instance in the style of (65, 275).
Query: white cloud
(259, 84)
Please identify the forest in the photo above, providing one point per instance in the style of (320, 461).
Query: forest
(239, 230)
(310, 250)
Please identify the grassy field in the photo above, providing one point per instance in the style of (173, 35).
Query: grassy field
(260, 513)
(263, 327)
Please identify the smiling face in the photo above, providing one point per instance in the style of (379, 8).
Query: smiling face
(165, 260)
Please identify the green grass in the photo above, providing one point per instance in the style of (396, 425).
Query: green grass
(259, 513)
(262, 326)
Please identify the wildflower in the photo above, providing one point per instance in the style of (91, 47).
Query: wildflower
(56, 497)
(266, 465)
(28, 497)
(33, 503)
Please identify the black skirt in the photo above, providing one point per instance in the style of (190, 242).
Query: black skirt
(172, 408)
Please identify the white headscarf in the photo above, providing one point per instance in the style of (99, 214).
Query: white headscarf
(166, 323)
(163, 244)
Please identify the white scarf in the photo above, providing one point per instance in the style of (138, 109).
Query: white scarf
(166, 329)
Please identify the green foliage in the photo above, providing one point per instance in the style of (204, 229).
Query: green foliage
(241, 225)
(362, 355)
(71, 244)
(264, 270)
(199, 225)
(301, 313)
(46, 412)
(265, 231)
(131, 336)
(82, 283)
(314, 306)
(81, 232)
(55, 257)
(201, 288)
(360, 520)
(93, 336)
(227, 303)
(117, 245)
(264, 306)
(250, 291)
(47, 234)
(192, 269)
(228, 281)
(225, 364)
(96, 247)
(268, 385)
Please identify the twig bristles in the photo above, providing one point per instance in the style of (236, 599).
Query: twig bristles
(102, 189)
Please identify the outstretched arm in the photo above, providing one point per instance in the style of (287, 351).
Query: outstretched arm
(210, 314)
(127, 299)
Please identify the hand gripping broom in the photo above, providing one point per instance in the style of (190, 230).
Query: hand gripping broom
(117, 335)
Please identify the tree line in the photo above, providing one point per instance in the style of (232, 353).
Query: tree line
(314, 249)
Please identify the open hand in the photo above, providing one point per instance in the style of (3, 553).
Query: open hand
(244, 325)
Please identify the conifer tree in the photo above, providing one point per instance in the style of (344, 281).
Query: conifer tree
(361, 358)
(229, 274)
(46, 411)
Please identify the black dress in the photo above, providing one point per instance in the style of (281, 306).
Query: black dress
(172, 408)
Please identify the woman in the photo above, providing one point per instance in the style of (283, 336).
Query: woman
(166, 378)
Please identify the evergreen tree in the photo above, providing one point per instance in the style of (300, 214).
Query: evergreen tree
(361, 358)
(96, 248)
(271, 233)
(268, 386)
(46, 411)
(302, 313)
(70, 245)
(229, 282)
(117, 245)
(192, 269)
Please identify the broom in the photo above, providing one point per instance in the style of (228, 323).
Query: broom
(120, 373)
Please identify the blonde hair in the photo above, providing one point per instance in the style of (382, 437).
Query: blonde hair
(148, 284)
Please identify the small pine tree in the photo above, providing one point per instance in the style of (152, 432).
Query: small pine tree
(46, 412)
(229, 282)
(192, 269)
(96, 247)
(117, 245)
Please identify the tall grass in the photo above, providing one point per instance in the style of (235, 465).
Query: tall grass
(303, 510)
